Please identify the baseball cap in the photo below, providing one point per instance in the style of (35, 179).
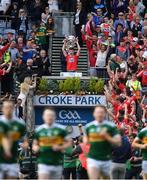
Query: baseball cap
(112, 56)
(121, 14)
(135, 39)
(144, 54)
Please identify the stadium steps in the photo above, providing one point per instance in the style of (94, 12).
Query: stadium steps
(57, 43)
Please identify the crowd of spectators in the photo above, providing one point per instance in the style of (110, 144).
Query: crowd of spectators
(24, 47)
(115, 34)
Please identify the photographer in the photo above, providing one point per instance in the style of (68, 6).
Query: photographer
(69, 163)
(81, 150)
(133, 168)
(27, 162)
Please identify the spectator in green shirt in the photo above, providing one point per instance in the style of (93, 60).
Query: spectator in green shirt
(69, 163)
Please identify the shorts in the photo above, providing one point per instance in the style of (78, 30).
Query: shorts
(54, 172)
(11, 170)
(102, 166)
(144, 167)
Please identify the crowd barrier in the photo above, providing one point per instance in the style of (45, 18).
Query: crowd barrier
(5, 22)
(61, 20)
(100, 72)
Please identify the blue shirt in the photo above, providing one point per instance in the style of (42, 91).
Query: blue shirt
(119, 21)
(97, 20)
(27, 55)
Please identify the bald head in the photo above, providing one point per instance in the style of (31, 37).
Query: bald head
(8, 108)
(49, 116)
(100, 113)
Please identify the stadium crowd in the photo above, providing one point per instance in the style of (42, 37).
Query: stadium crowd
(115, 34)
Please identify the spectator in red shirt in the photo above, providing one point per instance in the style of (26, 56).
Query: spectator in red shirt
(143, 75)
(71, 57)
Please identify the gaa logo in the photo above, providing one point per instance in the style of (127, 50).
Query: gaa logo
(69, 114)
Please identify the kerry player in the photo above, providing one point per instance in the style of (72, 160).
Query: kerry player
(141, 142)
(101, 134)
(4, 146)
(50, 140)
(15, 131)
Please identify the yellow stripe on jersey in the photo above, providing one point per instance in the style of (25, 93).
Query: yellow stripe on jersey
(144, 140)
(40, 34)
(1, 136)
(15, 136)
(95, 137)
(50, 141)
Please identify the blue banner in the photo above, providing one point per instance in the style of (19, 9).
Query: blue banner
(69, 100)
(67, 116)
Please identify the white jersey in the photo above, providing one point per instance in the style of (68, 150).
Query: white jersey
(101, 59)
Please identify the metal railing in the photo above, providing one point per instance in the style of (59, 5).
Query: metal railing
(63, 23)
(5, 22)
(100, 72)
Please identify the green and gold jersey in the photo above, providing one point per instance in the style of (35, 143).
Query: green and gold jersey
(41, 35)
(69, 160)
(142, 135)
(3, 133)
(100, 149)
(47, 137)
(16, 130)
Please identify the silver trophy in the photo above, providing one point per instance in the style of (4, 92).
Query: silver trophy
(70, 41)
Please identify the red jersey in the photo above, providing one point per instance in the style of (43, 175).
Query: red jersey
(72, 62)
(144, 77)
(121, 49)
(132, 12)
(115, 107)
(121, 107)
(83, 156)
(105, 29)
(2, 72)
(129, 103)
(124, 124)
(121, 86)
(92, 58)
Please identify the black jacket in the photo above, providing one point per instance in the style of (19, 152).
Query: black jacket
(20, 21)
(82, 18)
(123, 153)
